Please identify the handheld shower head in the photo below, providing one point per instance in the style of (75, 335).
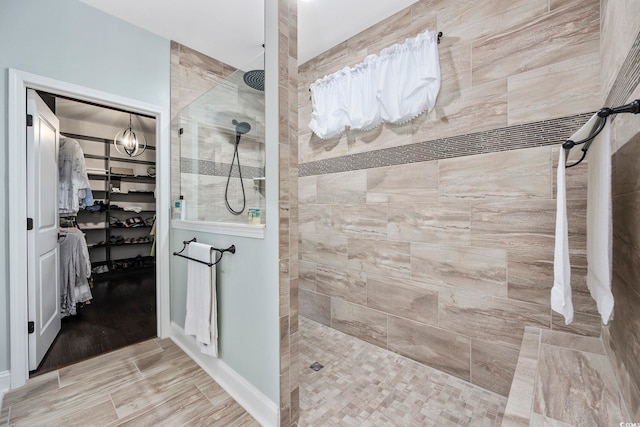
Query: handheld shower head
(241, 127)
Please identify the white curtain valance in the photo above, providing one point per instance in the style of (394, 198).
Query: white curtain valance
(394, 87)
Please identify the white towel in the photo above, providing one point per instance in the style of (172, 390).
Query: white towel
(201, 319)
(561, 290)
(599, 225)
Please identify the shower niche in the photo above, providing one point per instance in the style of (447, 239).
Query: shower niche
(221, 153)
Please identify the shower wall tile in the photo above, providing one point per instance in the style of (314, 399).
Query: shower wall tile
(590, 373)
(307, 189)
(199, 60)
(572, 84)
(284, 227)
(492, 366)
(560, 35)
(384, 136)
(341, 188)
(350, 285)
(583, 324)
(380, 257)
(324, 249)
(528, 224)
(304, 117)
(312, 147)
(315, 219)
(619, 34)
(477, 108)
(484, 270)
(622, 340)
(626, 174)
(284, 172)
(626, 233)
(294, 306)
(557, 4)
(368, 221)
(476, 177)
(361, 322)
(530, 276)
(469, 20)
(455, 68)
(399, 26)
(498, 320)
(413, 182)
(403, 298)
(307, 275)
(315, 306)
(518, 410)
(573, 342)
(448, 223)
(438, 348)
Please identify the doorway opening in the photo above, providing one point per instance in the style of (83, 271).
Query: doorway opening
(18, 271)
(107, 285)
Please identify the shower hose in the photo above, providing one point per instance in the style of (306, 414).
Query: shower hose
(226, 190)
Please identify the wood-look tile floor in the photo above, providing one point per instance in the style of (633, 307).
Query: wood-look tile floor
(122, 312)
(152, 383)
(364, 385)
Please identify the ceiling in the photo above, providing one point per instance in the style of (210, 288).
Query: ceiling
(77, 110)
(232, 31)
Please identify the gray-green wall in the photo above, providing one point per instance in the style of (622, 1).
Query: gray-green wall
(70, 41)
(247, 306)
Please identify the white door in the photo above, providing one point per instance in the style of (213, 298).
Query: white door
(42, 241)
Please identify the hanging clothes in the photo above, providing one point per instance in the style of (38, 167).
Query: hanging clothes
(75, 270)
(73, 186)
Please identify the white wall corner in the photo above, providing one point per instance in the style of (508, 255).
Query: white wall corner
(5, 384)
(256, 403)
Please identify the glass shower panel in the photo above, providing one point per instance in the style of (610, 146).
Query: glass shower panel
(209, 129)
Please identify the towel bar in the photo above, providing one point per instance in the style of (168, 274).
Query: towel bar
(231, 249)
(633, 107)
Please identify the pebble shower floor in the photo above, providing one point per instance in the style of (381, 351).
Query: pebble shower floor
(364, 385)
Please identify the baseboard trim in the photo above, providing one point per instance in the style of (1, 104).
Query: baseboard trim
(5, 384)
(250, 398)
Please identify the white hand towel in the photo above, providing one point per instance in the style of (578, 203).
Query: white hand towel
(599, 225)
(201, 318)
(561, 290)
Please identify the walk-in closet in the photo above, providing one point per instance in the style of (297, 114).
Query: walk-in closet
(106, 233)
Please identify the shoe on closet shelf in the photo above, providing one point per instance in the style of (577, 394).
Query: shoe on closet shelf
(135, 221)
(100, 269)
(115, 222)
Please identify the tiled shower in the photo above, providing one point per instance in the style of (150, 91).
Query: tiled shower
(435, 239)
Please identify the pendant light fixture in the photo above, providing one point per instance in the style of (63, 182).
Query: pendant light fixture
(128, 142)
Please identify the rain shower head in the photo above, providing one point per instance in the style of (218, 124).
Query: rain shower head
(241, 127)
(254, 79)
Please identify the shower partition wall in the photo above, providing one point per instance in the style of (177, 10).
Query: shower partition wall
(221, 140)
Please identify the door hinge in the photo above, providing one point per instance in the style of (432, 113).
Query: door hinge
(29, 120)
(31, 327)
(29, 223)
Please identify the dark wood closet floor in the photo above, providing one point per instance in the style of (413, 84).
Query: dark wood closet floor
(122, 312)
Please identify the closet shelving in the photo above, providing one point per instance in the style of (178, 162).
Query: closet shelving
(112, 241)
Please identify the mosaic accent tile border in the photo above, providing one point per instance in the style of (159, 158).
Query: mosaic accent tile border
(207, 167)
(537, 134)
(628, 77)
